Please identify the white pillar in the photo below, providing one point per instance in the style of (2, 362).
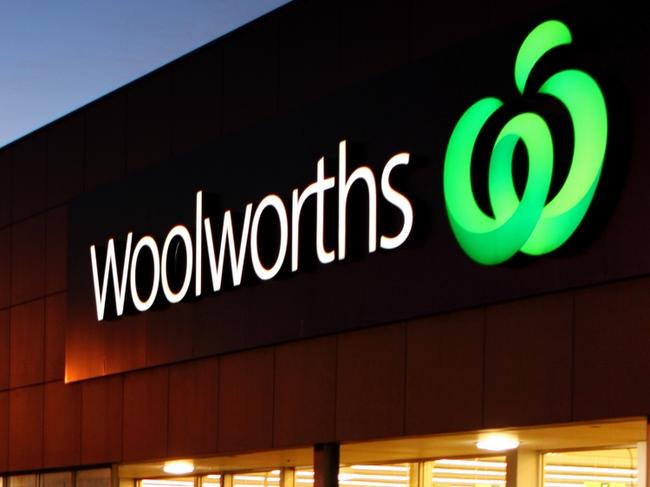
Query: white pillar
(523, 468)
(642, 463)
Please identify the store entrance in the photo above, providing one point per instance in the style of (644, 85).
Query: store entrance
(604, 454)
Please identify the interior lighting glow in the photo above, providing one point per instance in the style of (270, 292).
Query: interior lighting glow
(470, 463)
(363, 476)
(594, 470)
(459, 471)
(178, 467)
(588, 478)
(381, 468)
(365, 483)
(256, 478)
(497, 443)
(167, 482)
(443, 480)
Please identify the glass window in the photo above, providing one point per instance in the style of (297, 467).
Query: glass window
(270, 478)
(22, 481)
(591, 468)
(58, 479)
(483, 471)
(396, 475)
(172, 482)
(98, 477)
(304, 476)
(211, 480)
(363, 475)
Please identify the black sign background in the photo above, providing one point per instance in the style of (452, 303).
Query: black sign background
(413, 109)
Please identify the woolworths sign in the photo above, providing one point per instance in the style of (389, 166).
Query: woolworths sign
(524, 220)
(118, 279)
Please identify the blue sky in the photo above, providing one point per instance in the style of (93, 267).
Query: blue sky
(58, 55)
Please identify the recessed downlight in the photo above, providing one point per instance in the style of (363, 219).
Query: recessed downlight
(497, 443)
(178, 467)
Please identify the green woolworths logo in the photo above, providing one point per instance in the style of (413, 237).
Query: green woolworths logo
(530, 224)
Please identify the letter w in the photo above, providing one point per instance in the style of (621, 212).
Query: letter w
(110, 268)
(228, 234)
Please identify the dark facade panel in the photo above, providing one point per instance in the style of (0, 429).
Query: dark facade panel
(370, 383)
(65, 159)
(4, 348)
(250, 74)
(56, 270)
(305, 392)
(193, 408)
(101, 420)
(62, 425)
(146, 400)
(27, 339)
(5, 267)
(29, 175)
(105, 141)
(55, 320)
(149, 121)
(308, 52)
(444, 373)
(26, 428)
(374, 37)
(437, 26)
(246, 401)
(89, 345)
(125, 345)
(6, 193)
(4, 430)
(528, 361)
(612, 329)
(197, 99)
(28, 259)
(169, 336)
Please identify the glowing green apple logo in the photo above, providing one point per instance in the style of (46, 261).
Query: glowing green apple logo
(530, 224)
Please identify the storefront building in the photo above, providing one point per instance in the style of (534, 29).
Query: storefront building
(379, 244)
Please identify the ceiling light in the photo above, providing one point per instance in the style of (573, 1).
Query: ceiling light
(178, 467)
(497, 443)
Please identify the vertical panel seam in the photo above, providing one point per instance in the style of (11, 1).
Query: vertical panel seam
(84, 159)
(167, 421)
(405, 384)
(573, 355)
(336, 386)
(217, 378)
(273, 398)
(484, 366)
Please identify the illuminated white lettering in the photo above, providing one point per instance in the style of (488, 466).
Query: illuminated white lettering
(198, 222)
(149, 243)
(110, 269)
(361, 173)
(318, 188)
(237, 246)
(270, 201)
(184, 234)
(236, 257)
(396, 199)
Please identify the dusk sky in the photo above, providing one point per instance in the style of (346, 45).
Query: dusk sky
(56, 56)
